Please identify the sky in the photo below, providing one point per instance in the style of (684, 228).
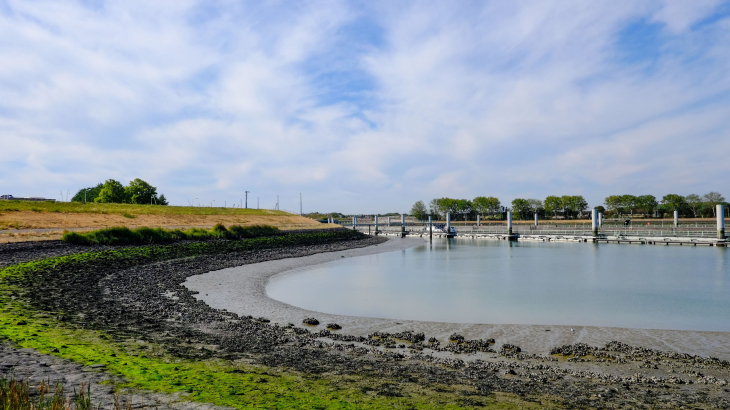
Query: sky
(365, 106)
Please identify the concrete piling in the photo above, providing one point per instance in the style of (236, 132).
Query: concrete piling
(600, 219)
(376, 225)
(509, 222)
(354, 223)
(389, 221)
(430, 229)
(720, 212)
(403, 226)
(594, 222)
(448, 223)
(535, 218)
(676, 219)
(479, 220)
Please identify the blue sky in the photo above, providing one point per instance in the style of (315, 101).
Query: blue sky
(366, 106)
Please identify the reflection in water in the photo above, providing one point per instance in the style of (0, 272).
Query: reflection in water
(481, 281)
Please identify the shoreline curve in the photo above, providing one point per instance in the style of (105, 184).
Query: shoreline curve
(242, 290)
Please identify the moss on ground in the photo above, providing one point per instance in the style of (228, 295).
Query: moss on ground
(220, 382)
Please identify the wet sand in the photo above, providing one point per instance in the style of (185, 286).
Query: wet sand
(242, 290)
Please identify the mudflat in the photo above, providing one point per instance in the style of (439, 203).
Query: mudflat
(416, 364)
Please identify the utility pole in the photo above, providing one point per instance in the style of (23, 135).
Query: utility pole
(247, 199)
(277, 202)
(300, 204)
(257, 202)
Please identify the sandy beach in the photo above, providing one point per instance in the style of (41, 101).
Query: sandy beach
(242, 290)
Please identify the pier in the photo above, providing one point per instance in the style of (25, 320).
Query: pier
(598, 230)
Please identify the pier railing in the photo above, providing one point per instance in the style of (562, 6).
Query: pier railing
(665, 231)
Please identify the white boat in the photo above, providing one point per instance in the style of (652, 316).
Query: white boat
(441, 228)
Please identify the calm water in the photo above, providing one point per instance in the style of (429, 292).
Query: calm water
(481, 281)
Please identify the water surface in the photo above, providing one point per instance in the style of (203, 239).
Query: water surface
(483, 281)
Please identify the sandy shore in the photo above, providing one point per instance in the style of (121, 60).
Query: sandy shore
(242, 290)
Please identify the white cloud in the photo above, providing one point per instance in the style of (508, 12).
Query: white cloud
(363, 109)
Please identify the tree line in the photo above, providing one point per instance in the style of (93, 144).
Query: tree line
(691, 205)
(568, 207)
(112, 191)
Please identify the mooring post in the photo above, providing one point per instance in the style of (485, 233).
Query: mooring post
(448, 223)
(354, 223)
(509, 222)
(389, 221)
(600, 219)
(720, 221)
(535, 218)
(479, 220)
(430, 229)
(594, 222)
(676, 219)
(376, 225)
(403, 226)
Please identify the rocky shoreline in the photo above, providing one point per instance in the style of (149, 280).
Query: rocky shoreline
(150, 302)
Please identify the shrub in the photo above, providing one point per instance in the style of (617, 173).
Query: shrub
(143, 236)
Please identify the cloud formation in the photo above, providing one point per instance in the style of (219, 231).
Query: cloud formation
(365, 107)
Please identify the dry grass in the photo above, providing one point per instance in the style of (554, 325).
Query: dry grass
(17, 215)
(61, 220)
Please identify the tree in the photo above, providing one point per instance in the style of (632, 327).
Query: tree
(693, 203)
(463, 207)
(162, 200)
(521, 207)
(553, 204)
(713, 199)
(614, 204)
(434, 208)
(87, 194)
(573, 204)
(674, 202)
(447, 205)
(480, 205)
(628, 202)
(535, 205)
(111, 192)
(647, 203)
(140, 192)
(419, 211)
(493, 205)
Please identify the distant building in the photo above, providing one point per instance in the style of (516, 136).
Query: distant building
(27, 198)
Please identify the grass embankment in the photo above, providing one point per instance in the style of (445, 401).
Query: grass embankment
(129, 209)
(144, 235)
(146, 366)
(53, 218)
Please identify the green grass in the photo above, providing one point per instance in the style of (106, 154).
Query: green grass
(20, 395)
(78, 207)
(239, 385)
(143, 236)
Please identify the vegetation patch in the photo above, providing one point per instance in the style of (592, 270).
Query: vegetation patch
(143, 236)
(20, 395)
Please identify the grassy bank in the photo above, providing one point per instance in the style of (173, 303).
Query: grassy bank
(146, 236)
(129, 209)
(146, 366)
